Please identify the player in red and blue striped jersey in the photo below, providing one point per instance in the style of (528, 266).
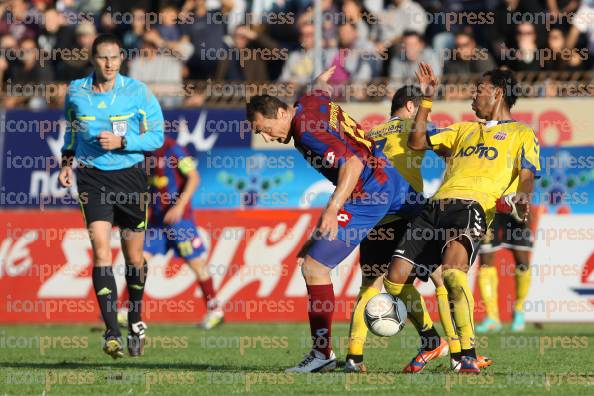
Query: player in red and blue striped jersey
(173, 181)
(367, 189)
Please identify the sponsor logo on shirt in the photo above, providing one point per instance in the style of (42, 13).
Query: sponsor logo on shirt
(479, 150)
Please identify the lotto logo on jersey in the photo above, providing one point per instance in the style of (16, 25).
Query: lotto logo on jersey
(343, 217)
(479, 150)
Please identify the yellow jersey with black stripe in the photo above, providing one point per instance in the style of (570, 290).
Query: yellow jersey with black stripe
(486, 159)
(391, 137)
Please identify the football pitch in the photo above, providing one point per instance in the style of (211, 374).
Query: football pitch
(250, 358)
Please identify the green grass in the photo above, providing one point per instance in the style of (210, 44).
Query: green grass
(249, 358)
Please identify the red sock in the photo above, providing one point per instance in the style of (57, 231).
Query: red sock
(320, 311)
(208, 292)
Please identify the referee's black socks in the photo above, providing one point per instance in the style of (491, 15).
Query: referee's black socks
(107, 297)
(135, 278)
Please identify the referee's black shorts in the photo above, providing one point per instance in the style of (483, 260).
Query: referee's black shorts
(120, 197)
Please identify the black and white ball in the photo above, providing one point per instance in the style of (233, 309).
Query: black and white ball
(385, 315)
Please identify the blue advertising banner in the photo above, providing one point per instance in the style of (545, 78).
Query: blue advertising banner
(234, 178)
(31, 143)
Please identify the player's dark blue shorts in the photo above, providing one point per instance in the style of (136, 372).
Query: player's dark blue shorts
(355, 220)
(361, 214)
(182, 237)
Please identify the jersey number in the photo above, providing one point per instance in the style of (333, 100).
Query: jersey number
(350, 127)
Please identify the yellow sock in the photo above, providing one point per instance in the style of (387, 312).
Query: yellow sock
(456, 283)
(446, 319)
(489, 282)
(358, 329)
(522, 288)
(415, 304)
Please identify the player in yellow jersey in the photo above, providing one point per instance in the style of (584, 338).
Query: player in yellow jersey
(376, 250)
(483, 159)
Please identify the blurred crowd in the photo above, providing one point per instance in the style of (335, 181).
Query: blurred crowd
(267, 41)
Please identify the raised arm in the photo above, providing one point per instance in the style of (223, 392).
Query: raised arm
(321, 81)
(418, 139)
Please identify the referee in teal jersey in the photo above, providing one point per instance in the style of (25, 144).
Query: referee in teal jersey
(112, 121)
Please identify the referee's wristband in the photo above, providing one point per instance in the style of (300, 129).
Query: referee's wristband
(426, 104)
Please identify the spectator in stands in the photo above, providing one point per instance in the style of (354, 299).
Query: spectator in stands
(502, 34)
(235, 67)
(205, 36)
(95, 6)
(562, 58)
(107, 23)
(29, 74)
(467, 57)
(54, 34)
(299, 67)
(69, 8)
(583, 24)
(354, 58)
(562, 7)
(354, 12)
(526, 57)
(234, 10)
(168, 27)
(401, 16)
(12, 21)
(132, 37)
(182, 48)
(8, 52)
(78, 63)
(413, 50)
(39, 8)
(330, 19)
(157, 65)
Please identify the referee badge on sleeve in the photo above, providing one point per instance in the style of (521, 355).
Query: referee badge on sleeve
(120, 127)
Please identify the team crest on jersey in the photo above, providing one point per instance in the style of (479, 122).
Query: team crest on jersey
(119, 127)
(501, 135)
(343, 217)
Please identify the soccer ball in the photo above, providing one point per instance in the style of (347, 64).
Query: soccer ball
(385, 315)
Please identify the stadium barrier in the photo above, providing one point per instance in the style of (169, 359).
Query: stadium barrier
(45, 254)
(45, 272)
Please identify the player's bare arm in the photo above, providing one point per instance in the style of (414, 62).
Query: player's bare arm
(321, 81)
(418, 139)
(522, 197)
(348, 176)
(175, 214)
(66, 174)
